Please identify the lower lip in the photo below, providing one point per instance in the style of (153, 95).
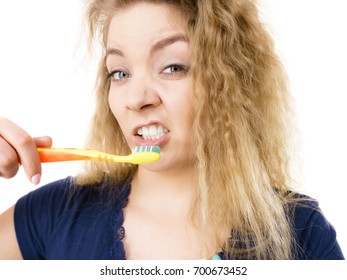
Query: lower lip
(149, 142)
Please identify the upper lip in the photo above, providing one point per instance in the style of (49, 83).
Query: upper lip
(156, 123)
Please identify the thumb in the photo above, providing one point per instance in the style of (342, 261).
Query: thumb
(43, 141)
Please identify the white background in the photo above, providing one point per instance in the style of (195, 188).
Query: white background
(46, 86)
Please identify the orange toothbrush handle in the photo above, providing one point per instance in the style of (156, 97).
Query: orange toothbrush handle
(55, 155)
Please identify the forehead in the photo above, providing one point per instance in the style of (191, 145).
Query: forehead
(142, 21)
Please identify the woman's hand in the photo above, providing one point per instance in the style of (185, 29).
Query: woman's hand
(18, 148)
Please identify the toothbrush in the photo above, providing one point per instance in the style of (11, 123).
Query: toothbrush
(139, 155)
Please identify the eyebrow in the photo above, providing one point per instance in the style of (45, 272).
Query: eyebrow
(157, 46)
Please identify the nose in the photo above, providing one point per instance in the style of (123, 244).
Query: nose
(143, 94)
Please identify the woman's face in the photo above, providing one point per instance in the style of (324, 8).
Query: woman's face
(151, 96)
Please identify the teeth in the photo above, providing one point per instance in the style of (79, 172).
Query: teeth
(152, 132)
(145, 131)
(160, 130)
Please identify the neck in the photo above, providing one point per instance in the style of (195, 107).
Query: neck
(166, 199)
(172, 190)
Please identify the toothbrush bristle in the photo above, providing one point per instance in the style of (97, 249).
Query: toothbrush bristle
(155, 149)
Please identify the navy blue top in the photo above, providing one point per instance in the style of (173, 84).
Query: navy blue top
(61, 222)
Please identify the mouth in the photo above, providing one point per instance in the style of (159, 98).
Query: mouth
(152, 132)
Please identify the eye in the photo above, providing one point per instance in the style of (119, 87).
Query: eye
(118, 75)
(175, 70)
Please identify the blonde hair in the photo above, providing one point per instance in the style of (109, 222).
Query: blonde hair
(242, 126)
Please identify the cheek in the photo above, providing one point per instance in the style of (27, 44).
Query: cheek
(115, 106)
(183, 106)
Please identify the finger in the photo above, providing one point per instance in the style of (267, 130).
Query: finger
(25, 148)
(9, 161)
(43, 141)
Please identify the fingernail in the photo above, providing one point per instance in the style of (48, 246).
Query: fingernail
(36, 179)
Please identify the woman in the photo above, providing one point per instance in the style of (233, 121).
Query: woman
(201, 80)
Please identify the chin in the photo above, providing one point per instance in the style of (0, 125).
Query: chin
(167, 166)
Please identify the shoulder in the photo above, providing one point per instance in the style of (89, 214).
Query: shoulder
(315, 237)
(49, 221)
(45, 199)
